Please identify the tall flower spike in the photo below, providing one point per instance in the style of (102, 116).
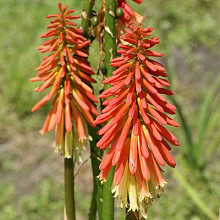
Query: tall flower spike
(68, 73)
(136, 115)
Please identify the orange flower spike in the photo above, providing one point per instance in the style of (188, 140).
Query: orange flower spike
(67, 72)
(136, 113)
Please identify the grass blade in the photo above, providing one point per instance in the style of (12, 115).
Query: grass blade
(194, 195)
(186, 128)
(204, 118)
(211, 149)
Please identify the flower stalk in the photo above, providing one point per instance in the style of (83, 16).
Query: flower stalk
(97, 196)
(97, 200)
(69, 189)
(110, 52)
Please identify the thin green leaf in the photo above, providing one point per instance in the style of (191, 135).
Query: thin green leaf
(184, 123)
(186, 129)
(211, 149)
(194, 195)
(189, 157)
(204, 118)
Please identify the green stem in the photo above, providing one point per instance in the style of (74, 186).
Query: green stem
(110, 34)
(93, 207)
(86, 16)
(110, 52)
(69, 189)
(108, 199)
(97, 200)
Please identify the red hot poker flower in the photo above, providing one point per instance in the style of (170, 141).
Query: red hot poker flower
(68, 72)
(136, 115)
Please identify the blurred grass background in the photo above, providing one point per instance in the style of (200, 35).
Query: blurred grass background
(31, 174)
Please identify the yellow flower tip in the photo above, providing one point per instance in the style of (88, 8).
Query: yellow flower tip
(36, 89)
(68, 67)
(102, 182)
(136, 199)
(70, 145)
(82, 144)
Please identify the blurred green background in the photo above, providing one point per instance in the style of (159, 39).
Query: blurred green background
(31, 174)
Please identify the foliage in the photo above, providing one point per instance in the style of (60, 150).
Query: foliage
(184, 24)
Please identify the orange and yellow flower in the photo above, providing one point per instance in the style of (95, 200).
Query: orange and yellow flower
(136, 113)
(67, 71)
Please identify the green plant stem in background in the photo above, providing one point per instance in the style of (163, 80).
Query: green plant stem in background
(86, 16)
(69, 189)
(110, 52)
